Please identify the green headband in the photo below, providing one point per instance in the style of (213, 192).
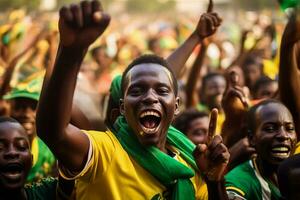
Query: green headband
(115, 89)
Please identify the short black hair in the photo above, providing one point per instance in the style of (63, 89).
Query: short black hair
(182, 121)
(263, 80)
(149, 58)
(251, 122)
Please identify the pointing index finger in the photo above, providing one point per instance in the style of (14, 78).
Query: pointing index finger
(210, 6)
(212, 124)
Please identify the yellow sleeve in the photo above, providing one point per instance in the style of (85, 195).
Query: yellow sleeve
(200, 188)
(297, 148)
(101, 151)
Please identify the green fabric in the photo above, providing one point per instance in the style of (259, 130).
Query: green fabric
(244, 178)
(43, 166)
(25, 89)
(171, 173)
(115, 89)
(202, 107)
(284, 4)
(43, 190)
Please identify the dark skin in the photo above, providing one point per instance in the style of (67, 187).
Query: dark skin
(24, 111)
(274, 128)
(149, 90)
(79, 26)
(14, 152)
(197, 130)
(235, 105)
(212, 159)
(207, 26)
(289, 69)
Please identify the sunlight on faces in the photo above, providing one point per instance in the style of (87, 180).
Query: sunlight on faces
(149, 102)
(15, 156)
(275, 135)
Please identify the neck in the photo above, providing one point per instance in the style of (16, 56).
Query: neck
(18, 194)
(267, 170)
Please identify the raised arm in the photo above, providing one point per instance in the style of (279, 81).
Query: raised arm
(79, 26)
(289, 80)
(207, 26)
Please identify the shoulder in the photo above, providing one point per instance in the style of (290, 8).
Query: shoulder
(241, 179)
(98, 138)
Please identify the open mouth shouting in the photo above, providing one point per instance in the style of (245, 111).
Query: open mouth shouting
(149, 121)
(281, 152)
(12, 172)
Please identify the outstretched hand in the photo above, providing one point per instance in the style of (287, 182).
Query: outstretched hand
(208, 23)
(212, 158)
(81, 24)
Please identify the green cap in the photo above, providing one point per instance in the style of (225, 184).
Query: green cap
(27, 89)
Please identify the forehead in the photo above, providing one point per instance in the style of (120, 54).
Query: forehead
(216, 80)
(273, 112)
(10, 130)
(145, 71)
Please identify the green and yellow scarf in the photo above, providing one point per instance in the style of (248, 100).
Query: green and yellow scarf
(168, 171)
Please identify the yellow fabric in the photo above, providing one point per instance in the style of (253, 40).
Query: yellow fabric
(34, 150)
(236, 189)
(221, 119)
(112, 174)
(297, 148)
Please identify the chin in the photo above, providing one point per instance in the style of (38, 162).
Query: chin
(149, 141)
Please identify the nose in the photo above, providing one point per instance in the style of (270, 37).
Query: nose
(150, 97)
(282, 134)
(11, 153)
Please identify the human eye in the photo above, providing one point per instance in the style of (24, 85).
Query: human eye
(135, 91)
(163, 90)
(22, 145)
(270, 128)
(290, 128)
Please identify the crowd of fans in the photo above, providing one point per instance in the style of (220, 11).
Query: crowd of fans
(162, 110)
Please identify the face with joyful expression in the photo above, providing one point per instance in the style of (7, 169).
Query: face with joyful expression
(149, 103)
(275, 135)
(15, 156)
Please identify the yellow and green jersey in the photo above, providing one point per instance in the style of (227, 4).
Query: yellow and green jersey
(111, 173)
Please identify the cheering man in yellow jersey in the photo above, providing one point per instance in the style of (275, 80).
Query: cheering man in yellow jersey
(141, 157)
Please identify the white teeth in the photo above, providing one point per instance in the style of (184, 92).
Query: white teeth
(280, 149)
(281, 154)
(149, 113)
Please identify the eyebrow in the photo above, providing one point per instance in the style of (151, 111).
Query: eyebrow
(17, 138)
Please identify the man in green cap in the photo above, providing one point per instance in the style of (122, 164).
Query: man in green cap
(23, 99)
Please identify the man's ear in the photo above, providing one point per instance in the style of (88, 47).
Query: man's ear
(177, 104)
(122, 110)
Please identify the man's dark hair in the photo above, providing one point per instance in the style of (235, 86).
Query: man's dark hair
(253, 60)
(262, 81)
(251, 125)
(149, 58)
(183, 120)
